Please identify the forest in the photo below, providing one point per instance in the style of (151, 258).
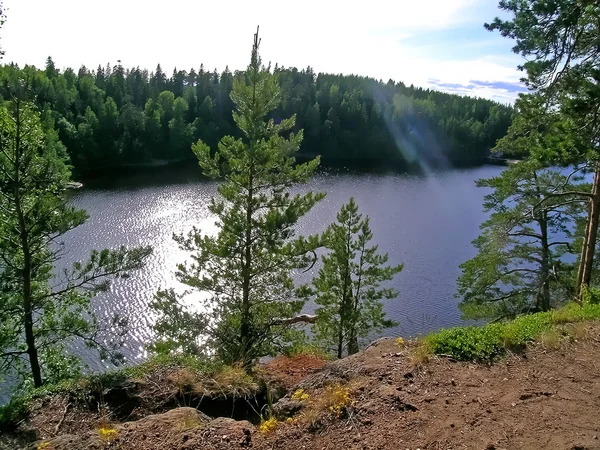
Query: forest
(263, 131)
(113, 116)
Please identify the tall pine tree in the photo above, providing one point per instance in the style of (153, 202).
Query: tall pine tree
(246, 267)
(41, 311)
(348, 288)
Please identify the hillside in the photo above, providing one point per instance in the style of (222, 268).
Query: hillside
(385, 397)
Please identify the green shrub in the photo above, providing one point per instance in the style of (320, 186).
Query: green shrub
(590, 296)
(492, 340)
(13, 412)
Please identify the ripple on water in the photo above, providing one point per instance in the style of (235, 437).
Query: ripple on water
(427, 223)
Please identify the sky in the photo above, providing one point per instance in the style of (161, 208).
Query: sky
(438, 44)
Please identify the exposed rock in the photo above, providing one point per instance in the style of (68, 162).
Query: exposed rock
(287, 407)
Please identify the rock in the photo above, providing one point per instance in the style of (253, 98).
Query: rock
(287, 407)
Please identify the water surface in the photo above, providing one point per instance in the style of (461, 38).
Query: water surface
(425, 222)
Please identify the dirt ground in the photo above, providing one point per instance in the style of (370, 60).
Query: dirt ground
(546, 398)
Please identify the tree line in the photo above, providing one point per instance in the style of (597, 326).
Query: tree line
(116, 116)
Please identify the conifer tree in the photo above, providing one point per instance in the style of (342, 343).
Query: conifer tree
(520, 266)
(246, 267)
(559, 40)
(41, 311)
(347, 289)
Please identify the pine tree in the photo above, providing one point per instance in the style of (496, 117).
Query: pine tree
(520, 266)
(246, 267)
(559, 40)
(40, 314)
(347, 289)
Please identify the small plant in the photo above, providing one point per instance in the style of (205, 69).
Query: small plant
(400, 342)
(300, 395)
(577, 331)
(189, 421)
(268, 426)
(337, 398)
(550, 339)
(107, 433)
(420, 354)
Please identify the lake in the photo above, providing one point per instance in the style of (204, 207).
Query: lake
(425, 222)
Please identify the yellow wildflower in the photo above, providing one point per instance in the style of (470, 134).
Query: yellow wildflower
(268, 425)
(300, 395)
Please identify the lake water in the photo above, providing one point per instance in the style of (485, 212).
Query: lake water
(425, 222)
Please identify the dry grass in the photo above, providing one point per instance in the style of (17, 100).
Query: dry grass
(577, 331)
(419, 354)
(229, 381)
(550, 339)
(232, 381)
(186, 381)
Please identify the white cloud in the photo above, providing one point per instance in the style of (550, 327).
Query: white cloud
(331, 36)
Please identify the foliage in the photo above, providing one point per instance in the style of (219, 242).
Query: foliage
(13, 412)
(42, 312)
(558, 40)
(590, 296)
(492, 340)
(520, 265)
(246, 267)
(113, 115)
(347, 290)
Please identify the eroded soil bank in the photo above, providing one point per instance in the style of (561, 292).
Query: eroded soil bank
(385, 397)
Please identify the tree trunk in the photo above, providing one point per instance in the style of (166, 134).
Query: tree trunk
(32, 352)
(584, 275)
(29, 335)
(352, 343)
(245, 319)
(340, 349)
(544, 303)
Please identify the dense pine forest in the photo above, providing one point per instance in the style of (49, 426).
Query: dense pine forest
(115, 116)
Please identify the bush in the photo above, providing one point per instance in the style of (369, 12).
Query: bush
(12, 413)
(492, 340)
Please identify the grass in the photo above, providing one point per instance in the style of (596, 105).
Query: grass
(84, 388)
(550, 339)
(419, 354)
(490, 341)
